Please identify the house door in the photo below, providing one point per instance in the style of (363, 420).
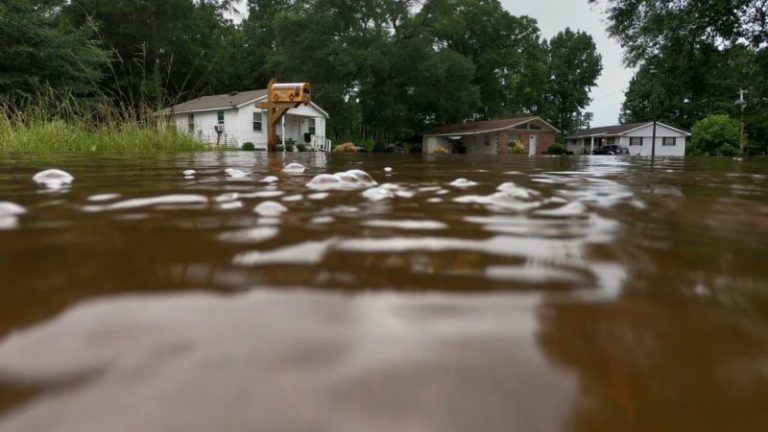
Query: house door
(532, 145)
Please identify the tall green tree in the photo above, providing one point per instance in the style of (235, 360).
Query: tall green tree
(163, 50)
(574, 66)
(38, 52)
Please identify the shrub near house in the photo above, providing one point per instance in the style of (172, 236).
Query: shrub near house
(716, 135)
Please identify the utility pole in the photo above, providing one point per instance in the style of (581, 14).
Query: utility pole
(743, 104)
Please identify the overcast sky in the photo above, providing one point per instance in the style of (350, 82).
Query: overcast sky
(554, 16)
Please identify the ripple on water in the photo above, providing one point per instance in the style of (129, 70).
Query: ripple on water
(165, 200)
(417, 225)
(250, 235)
(53, 178)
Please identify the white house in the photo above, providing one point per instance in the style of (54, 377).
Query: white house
(637, 137)
(234, 119)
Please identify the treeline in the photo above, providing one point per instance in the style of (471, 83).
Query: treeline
(384, 69)
(696, 59)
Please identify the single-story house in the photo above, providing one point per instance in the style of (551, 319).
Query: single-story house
(492, 136)
(637, 137)
(234, 118)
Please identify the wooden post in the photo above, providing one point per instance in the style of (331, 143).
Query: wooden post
(275, 112)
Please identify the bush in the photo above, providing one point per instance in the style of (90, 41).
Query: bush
(440, 150)
(279, 148)
(345, 148)
(301, 147)
(518, 148)
(248, 146)
(289, 146)
(556, 149)
(727, 150)
(714, 133)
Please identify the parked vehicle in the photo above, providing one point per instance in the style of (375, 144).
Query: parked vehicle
(396, 148)
(611, 150)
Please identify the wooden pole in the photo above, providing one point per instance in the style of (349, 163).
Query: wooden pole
(275, 112)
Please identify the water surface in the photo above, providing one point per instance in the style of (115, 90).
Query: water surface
(458, 293)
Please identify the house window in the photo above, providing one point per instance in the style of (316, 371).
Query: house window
(220, 117)
(669, 141)
(312, 126)
(636, 141)
(487, 140)
(191, 123)
(257, 121)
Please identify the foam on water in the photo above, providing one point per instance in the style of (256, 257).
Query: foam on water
(8, 208)
(190, 173)
(308, 253)
(270, 209)
(235, 173)
(270, 179)
(347, 180)
(294, 168)
(53, 178)
(377, 194)
(263, 194)
(318, 196)
(463, 183)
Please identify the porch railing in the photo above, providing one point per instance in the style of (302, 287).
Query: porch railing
(320, 143)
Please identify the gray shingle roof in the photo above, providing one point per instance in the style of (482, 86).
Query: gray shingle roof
(470, 128)
(223, 101)
(608, 130)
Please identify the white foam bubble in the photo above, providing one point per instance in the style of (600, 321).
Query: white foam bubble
(463, 183)
(270, 179)
(347, 180)
(318, 196)
(270, 209)
(53, 178)
(235, 173)
(8, 208)
(377, 194)
(322, 220)
(294, 168)
(231, 205)
(189, 173)
(226, 197)
(388, 169)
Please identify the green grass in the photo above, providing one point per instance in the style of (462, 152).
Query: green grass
(65, 124)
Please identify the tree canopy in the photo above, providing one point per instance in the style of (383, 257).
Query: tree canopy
(695, 58)
(384, 69)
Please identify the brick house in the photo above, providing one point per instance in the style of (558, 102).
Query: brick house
(492, 136)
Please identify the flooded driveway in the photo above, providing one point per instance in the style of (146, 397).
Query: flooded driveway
(231, 291)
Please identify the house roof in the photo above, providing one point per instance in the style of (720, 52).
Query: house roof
(218, 102)
(619, 130)
(479, 127)
(225, 101)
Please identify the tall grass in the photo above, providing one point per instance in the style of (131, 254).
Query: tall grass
(51, 122)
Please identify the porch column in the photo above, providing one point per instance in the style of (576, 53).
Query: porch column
(592, 145)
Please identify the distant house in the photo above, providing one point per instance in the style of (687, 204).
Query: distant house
(234, 119)
(492, 136)
(637, 137)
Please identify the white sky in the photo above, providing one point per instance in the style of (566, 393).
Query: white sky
(554, 16)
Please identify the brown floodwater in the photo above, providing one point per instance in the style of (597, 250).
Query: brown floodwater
(537, 294)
